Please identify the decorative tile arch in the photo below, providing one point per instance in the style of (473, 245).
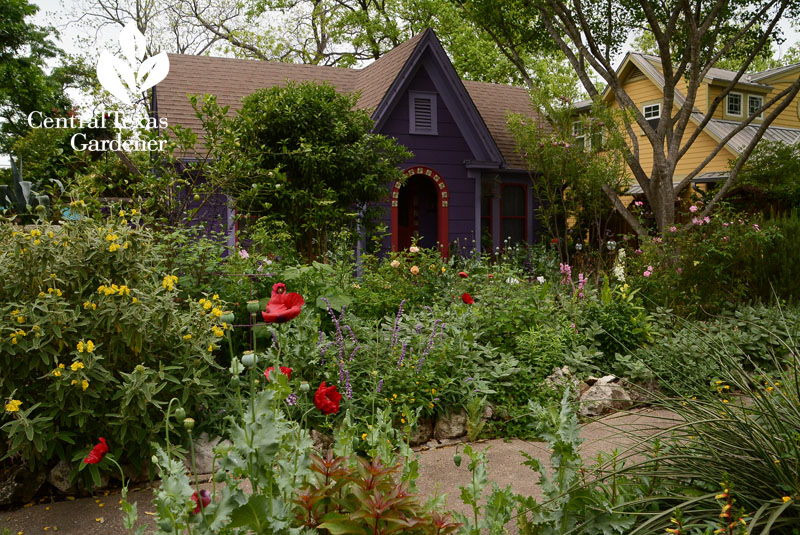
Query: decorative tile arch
(442, 208)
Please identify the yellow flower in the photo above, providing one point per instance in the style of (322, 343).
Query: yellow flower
(719, 382)
(696, 262)
(84, 384)
(13, 405)
(217, 331)
(77, 365)
(135, 300)
(672, 530)
(56, 373)
(414, 270)
(211, 347)
(430, 405)
(113, 248)
(364, 436)
(215, 297)
(207, 305)
(785, 499)
(394, 396)
(169, 282)
(126, 245)
(89, 346)
(443, 270)
(73, 382)
(133, 211)
(187, 336)
(37, 242)
(216, 312)
(122, 213)
(725, 401)
(80, 346)
(20, 319)
(402, 420)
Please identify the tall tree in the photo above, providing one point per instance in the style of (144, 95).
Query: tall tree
(25, 85)
(690, 38)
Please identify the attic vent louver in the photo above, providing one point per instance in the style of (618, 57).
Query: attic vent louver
(422, 113)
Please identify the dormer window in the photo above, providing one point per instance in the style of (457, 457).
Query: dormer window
(422, 113)
(754, 102)
(652, 114)
(734, 106)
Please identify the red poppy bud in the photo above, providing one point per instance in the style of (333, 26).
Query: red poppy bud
(462, 274)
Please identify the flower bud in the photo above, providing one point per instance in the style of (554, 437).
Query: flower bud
(235, 381)
(180, 414)
(154, 459)
(188, 423)
(457, 459)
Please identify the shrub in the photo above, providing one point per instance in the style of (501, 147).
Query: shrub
(94, 340)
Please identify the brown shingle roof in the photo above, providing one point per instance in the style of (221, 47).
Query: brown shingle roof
(233, 79)
(493, 102)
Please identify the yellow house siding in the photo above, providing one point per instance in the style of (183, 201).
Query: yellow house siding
(789, 117)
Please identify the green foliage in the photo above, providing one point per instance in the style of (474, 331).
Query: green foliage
(24, 85)
(20, 198)
(740, 432)
(94, 341)
(709, 265)
(685, 363)
(576, 161)
(311, 162)
(771, 176)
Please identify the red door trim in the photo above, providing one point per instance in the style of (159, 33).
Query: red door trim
(442, 208)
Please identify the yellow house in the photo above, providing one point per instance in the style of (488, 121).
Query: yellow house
(642, 79)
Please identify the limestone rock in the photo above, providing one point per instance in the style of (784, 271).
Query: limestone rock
(204, 454)
(607, 380)
(422, 433)
(453, 425)
(19, 485)
(59, 477)
(603, 398)
(560, 377)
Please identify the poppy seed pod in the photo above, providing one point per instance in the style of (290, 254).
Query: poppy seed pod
(188, 424)
(227, 317)
(253, 306)
(249, 359)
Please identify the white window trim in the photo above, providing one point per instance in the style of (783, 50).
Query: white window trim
(434, 131)
(728, 107)
(761, 100)
(644, 114)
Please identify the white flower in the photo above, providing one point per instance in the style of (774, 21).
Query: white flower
(413, 249)
(540, 279)
(395, 263)
(512, 280)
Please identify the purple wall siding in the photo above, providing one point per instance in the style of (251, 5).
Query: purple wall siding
(445, 153)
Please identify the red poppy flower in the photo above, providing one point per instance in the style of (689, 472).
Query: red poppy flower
(553, 241)
(467, 298)
(284, 370)
(282, 306)
(327, 399)
(202, 501)
(97, 453)
(463, 274)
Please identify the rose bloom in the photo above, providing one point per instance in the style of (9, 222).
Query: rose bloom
(395, 263)
(414, 270)
(413, 249)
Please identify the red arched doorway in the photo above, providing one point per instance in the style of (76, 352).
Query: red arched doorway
(413, 206)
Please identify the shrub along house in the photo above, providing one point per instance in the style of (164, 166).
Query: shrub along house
(465, 182)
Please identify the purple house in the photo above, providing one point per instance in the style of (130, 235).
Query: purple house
(465, 184)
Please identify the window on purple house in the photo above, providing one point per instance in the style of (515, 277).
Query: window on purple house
(512, 214)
